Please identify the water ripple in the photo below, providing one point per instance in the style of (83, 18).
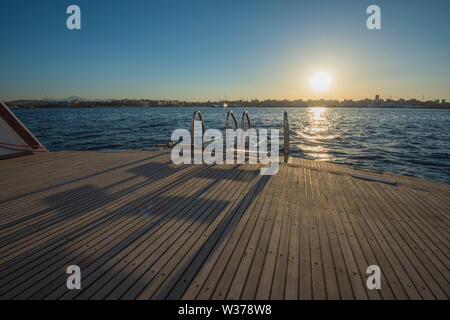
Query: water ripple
(406, 141)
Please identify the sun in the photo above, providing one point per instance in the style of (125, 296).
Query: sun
(320, 81)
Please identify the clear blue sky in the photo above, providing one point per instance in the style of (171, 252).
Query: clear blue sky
(200, 50)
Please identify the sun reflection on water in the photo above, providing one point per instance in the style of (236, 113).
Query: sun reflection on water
(315, 136)
(317, 113)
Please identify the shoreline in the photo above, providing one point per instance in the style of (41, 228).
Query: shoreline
(446, 107)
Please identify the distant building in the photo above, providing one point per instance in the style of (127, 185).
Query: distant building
(377, 97)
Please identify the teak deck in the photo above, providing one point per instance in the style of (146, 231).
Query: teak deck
(141, 227)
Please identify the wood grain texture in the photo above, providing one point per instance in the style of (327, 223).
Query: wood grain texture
(141, 227)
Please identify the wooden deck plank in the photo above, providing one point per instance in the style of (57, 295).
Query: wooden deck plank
(345, 291)
(266, 279)
(157, 212)
(229, 202)
(320, 210)
(421, 231)
(81, 165)
(210, 251)
(317, 273)
(155, 258)
(230, 261)
(141, 227)
(406, 237)
(138, 240)
(369, 212)
(101, 231)
(305, 285)
(353, 257)
(155, 207)
(69, 225)
(367, 238)
(251, 289)
(293, 264)
(217, 282)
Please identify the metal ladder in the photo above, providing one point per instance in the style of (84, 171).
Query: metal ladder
(245, 115)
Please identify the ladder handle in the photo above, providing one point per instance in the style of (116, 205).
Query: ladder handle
(245, 115)
(286, 137)
(230, 113)
(192, 129)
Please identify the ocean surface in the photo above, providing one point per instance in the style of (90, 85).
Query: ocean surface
(414, 142)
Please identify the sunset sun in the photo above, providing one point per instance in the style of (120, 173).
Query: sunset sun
(320, 81)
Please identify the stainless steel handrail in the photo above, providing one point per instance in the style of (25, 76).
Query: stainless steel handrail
(245, 115)
(230, 113)
(192, 130)
(249, 123)
(286, 137)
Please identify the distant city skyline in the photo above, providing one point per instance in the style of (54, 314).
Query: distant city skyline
(209, 50)
(78, 98)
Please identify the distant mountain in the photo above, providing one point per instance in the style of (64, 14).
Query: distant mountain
(72, 98)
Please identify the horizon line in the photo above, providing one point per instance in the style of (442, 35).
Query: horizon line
(78, 98)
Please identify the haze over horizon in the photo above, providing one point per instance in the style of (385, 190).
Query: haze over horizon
(203, 50)
(104, 99)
